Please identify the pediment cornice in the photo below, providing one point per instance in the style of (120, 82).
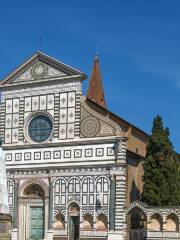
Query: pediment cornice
(41, 57)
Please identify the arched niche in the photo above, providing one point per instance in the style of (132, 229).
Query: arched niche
(156, 223)
(88, 222)
(59, 222)
(137, 219)
(34, 191)
(73, 209)
(32, 181)
(172, 223)
(101, 223)
(137, 224)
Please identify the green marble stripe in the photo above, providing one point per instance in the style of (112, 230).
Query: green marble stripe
(112, 204)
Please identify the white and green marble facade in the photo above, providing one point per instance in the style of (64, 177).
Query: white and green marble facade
(83, 161)
(4, 206)
(84, 148)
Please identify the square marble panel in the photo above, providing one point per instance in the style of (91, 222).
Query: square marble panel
(89, 152)
(18, 156)
(67, 153)
(57, 154)
(8, 157)
(110, 151)
(99, 152)
(78, 153)
(37, 156)
(47, 155)
(27, 156)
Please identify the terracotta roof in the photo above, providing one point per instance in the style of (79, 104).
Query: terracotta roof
(95, 91)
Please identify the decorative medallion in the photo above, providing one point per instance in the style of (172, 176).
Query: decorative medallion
(39, 70)
(90, 126)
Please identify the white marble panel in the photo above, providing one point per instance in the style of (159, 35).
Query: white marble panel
(43, 102)
(27, 105)
(16, 105)
(62, 131)
(8, 123)
(35, 103)
(9, 106)
(15, 122)
(63, 100)
(7, 135)
(15, 135)
(50, 102)
(71, 99)
(70, 130)
(63, 116)
(4, 208)
(71, 115)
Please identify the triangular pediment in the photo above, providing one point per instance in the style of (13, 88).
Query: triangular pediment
(39, 71)
(41, 67)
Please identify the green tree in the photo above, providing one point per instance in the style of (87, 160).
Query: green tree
(161, 168)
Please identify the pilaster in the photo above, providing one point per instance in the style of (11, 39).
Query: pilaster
(50, 222)
(112, 203)
(15, 214)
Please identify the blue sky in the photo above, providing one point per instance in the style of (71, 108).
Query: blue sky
(138, 44)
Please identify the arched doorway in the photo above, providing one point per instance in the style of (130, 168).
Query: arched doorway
(137, 224)
(34, 197)
(73, 221)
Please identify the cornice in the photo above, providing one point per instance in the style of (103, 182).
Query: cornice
(38, 83)
(80, 142)
(39, 56)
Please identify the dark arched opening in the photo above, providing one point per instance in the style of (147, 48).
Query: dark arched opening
(73, 221)
(137, 224)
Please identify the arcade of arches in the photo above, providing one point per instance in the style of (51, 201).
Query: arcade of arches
(146, 223)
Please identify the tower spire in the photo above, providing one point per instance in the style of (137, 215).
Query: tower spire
(95, 90)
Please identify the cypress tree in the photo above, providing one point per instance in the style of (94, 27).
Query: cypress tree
(161, 169)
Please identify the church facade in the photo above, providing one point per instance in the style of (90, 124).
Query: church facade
(73, 167)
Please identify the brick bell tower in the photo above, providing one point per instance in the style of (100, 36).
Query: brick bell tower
(95, 90)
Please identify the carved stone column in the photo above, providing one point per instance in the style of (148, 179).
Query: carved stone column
(112, 203)
(50, 203)
(15, 215)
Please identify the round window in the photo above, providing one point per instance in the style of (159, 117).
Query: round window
(40, 128)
